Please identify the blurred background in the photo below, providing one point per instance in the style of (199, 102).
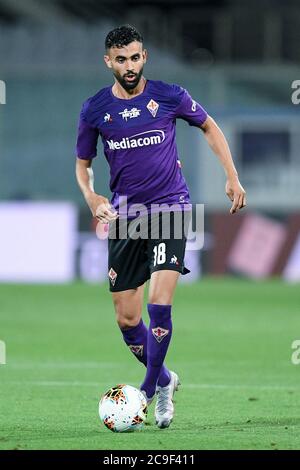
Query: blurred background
(239, 59)
(236, 315)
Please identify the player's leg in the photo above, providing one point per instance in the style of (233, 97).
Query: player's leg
(128, 266)
(128, 307)
(167, 262)
(128, 272)
(161, 290)
(162, 287)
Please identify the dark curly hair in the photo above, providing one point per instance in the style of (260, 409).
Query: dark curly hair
(122, 36)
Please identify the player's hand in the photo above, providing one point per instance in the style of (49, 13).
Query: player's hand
(101, 208)
(236, 194)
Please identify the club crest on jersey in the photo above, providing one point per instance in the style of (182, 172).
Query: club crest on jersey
(152, 106)
(107, 118)
(130, 113)
(136, 349)
(112, 276)
(159, 333)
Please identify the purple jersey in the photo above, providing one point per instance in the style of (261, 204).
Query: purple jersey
(138, 136)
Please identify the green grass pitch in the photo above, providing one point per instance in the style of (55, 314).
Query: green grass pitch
(231, 347)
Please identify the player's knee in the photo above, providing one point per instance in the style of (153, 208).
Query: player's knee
(126, 317)
(125, 321)
(161, 298)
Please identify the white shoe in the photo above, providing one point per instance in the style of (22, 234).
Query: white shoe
(164, 409)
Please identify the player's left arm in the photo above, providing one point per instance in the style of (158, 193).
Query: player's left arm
(220, 147)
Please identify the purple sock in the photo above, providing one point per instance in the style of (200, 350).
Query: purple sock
(159, 336)
(136, 340)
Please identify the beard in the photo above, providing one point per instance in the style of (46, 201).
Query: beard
(125, 83)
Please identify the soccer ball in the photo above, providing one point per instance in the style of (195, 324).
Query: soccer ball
(123, 408)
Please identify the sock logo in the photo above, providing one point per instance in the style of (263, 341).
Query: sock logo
(137, 349)
(159, 333)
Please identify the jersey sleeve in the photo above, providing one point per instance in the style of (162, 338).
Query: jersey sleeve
(188, 109)
(87, 137)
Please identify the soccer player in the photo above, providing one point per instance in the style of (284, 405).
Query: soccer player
(136, 118)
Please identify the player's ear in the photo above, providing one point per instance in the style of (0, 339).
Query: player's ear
(145, 55)
(107, 61)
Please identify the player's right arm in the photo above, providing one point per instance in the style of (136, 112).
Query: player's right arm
(86, 150)
(99, 205)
